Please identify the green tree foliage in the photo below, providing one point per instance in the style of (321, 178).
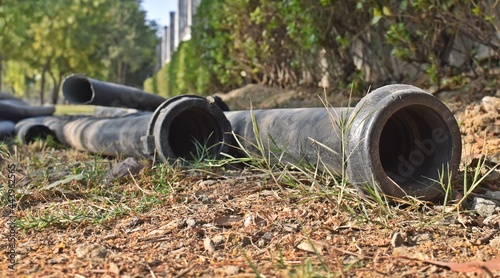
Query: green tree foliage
(65, 40)
(105, 39)
(184, 74)
(132, 54)
(347, 42)
(13, 26)
(254, 41)
(427, 31)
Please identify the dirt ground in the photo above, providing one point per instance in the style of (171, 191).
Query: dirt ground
(243, 222)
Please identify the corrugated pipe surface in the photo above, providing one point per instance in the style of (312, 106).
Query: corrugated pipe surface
(177, 128)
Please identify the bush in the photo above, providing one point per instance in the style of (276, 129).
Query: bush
(150, 85)
(288, 43)
(184, 74)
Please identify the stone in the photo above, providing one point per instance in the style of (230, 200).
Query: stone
(494, 194)
(124, 168)
(248, 220)
(397, 240)
(218, 239)
(267, 236)
(231, 270)
(190, 222)
(422, 238)
(495, 243)
(483, 207)
(491, 104)
(134, 222)
(91, 251)
(209, 245)
(203, 198)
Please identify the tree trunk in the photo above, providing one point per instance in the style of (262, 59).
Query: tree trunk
(42, 83)
(57, 84)
(55, 91)
(124, 74)
(120, 73)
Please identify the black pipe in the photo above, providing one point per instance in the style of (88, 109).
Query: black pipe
(80, 89)
(28, 130)
(398, 138)
(13, 109)
(16, 110)
(7, 129)
(180, 124)
(175, 130)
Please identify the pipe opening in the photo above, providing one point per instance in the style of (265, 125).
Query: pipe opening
(77, 89)
(414, 145)
(37, 131)
(194, 133)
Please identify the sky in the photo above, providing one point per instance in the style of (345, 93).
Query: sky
(159, 10)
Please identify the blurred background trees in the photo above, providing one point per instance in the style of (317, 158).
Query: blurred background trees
(337, 44)
(41, 42)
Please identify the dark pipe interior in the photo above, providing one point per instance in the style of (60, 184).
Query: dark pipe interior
(37, 131)
(77, 89)
(415, 143)
(191, 129)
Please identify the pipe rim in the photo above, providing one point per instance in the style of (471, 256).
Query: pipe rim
(423, 129)
(84, 93)
(179, 118)
(30, 132)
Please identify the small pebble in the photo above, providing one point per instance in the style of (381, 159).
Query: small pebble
(90, 251)
(190, 222)
(209, 245)
(483, 207)
(124, 169)
(491, 104)
(219, 239)
(397, 240)
(231, 270)
(495, 243)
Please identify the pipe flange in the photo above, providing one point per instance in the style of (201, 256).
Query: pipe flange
(148, 140)
(186, 125)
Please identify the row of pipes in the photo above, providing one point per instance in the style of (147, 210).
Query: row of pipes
(398, 138)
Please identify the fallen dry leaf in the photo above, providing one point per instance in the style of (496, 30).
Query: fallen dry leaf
(311, 246)
(477, 266)
(227, 221)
